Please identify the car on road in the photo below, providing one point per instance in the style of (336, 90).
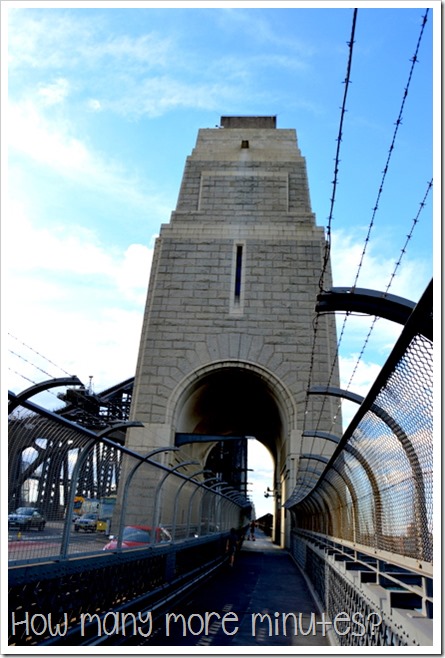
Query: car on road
(86, 523)
(135, 536)
(25, 518)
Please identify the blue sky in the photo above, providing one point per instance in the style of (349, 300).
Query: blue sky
(104, 106)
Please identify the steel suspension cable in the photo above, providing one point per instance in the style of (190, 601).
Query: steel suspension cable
(337, 154)
(334, 189)
(391, 279)
(38, 354)
(398, 123)
(397, 264)
(415, 221)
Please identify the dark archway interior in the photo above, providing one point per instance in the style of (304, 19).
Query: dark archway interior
(234, 402)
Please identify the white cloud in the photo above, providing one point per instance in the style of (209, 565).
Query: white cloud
(261, 31)
(55, 41)
(365, 374)
(45, 142)
(129, 73)
(261, 477)
(79, 302)
(52, 142)
(377, 266)
(54, 93)
(76, 251)
(132, 275)
(94, 105)
(156, 95)
(149, 49)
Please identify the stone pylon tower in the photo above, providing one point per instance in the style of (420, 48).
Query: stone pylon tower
(228, 327)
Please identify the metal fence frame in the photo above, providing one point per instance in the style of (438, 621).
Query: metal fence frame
(57, 586)
(358, 537)
(225, 504)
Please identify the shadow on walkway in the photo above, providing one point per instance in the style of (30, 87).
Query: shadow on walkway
(251, 599)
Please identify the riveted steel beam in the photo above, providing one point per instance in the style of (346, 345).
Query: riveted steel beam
(183, 438)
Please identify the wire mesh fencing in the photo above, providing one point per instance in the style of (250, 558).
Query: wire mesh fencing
(377, 489)
(73, 493)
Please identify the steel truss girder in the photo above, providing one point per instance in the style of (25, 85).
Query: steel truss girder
(53, 459)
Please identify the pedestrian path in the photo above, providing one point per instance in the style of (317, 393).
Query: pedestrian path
(263, 600)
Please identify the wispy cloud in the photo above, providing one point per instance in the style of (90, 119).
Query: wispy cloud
(142, 75)
(257, 29)
(77, 252)
(55, 39)
(55, 92)
(378, 264)
(149, 50)
(261, 476)
(154, 96)
(94, 105)
(366, 374)
(85, 302)
(53, 143)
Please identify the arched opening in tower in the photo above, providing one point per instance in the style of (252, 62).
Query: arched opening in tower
(233, 402)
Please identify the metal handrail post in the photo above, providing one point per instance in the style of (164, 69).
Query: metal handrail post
(127, 486)
(70, 508)
(156, 510)
(203, 497)
(221, 506)
(189, 515)
(175, 506)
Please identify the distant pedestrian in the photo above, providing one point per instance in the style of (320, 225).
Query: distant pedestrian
(232, 545)
(252, 531)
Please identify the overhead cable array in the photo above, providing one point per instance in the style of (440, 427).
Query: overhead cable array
(334, 188)
(337, 154)
(34, 366)
(398, 122)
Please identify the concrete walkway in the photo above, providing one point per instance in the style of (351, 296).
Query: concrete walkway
(251, 599)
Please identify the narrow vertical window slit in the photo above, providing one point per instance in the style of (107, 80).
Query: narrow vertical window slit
(239, 265)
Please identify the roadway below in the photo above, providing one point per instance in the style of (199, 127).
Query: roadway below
(32, 544)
